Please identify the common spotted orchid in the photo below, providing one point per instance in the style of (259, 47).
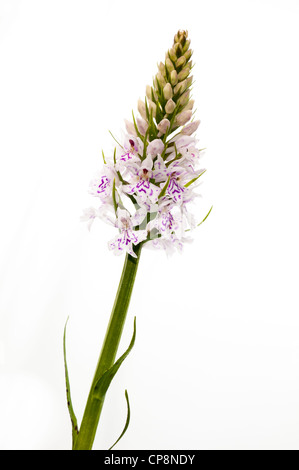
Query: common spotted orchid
(144, 190)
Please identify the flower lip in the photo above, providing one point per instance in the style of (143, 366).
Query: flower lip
(145, 173)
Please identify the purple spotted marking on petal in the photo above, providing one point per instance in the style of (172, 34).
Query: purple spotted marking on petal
(126, 157)
(143, 186)
(175, 190)
(104, 184)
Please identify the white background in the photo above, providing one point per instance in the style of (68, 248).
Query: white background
(216, 359)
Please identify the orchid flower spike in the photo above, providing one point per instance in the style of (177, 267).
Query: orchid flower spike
(157, 163)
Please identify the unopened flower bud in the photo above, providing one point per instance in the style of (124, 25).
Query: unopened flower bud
(169, 65)
(189, 105)
(189, 81)
(176, 37)
(161, 80)
(162, 69)
(152, 107)
(142, 125)
(180, 87)
(163, 126)
(188, 54)
(155, 147)
(180, 62)
(154, 94)
(174, 77)
(141, 109)
(170, 106)
(177, 49)
(183, 74)
(148, 92)
(130, 127)
(183, 100)
(172, 55)
(186, 45)
(183, 117)
(190, 128)
(167, 91)
(181, 37)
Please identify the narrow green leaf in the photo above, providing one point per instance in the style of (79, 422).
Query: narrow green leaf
(115, 139)
(127, 420)
(104, 381)
(75, 429)
(188, 229)
(146, 109)
(145, 143)
(194, 179)
(136, 127)
(163, 191)
(205, 217)
(114, 197)
(103, 157)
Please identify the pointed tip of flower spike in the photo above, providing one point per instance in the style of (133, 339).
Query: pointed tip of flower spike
(181, 36)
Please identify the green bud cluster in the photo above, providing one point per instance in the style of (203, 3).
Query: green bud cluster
(167, 104)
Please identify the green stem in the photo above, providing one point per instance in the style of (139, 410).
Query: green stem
(91, 416)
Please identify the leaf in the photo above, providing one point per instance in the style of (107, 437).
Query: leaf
(114, 197)
(145, 143)
(104, 381)
(75, 429)
(194, 179)
(136, 128)
(146, 109)
(127, 421)
(188, 229)
(115, 139)
(163, 191)
(205, 217)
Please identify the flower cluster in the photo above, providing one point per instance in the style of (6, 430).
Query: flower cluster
(155, 168)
